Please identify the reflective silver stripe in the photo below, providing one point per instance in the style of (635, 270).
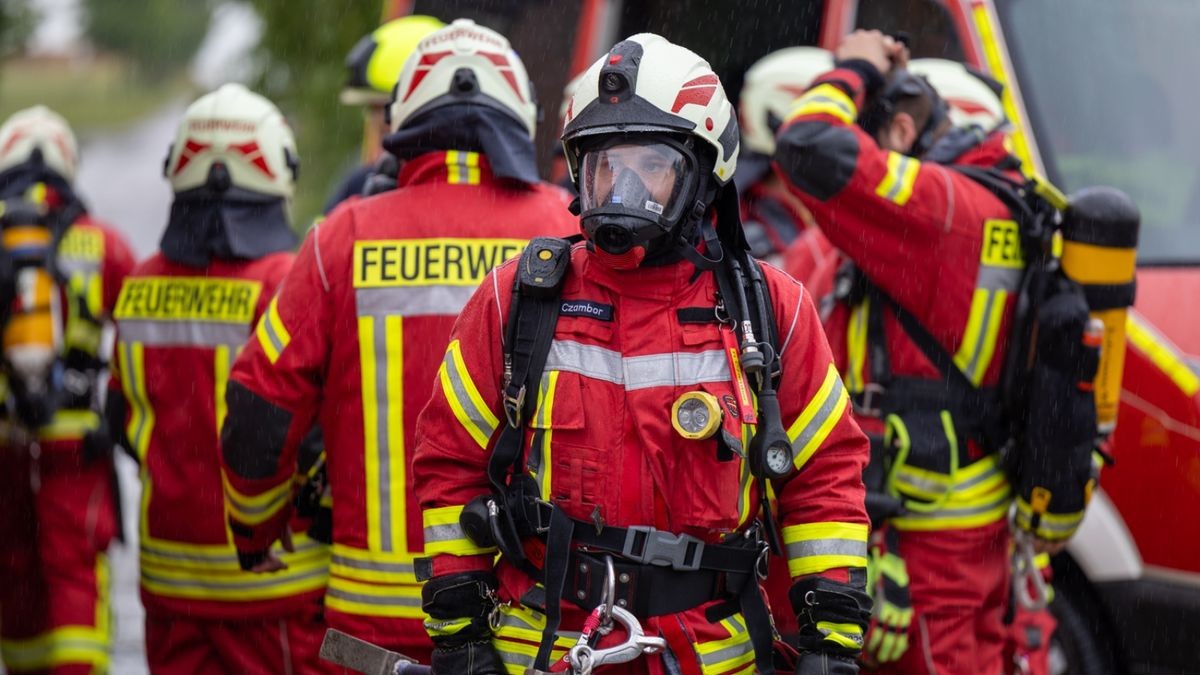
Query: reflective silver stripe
(927, 485)
(998, 278)
(482, 424)
(638, 372)
(731, 652)
(269, 331)
(394, 601)
(985, 321)
(373, 565)
(185, 333)
(898, 177)
(434, 300)
(447, 532)
(828, 407)
(513, 658)
(961, 512)
(268, 507)
(383, 450)
(251, 582)
(138, 385)
(1059, 528)
(816, 547)
(72, 266)
(216, 556)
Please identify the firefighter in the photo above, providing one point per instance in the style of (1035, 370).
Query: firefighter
(772, 217)
(354, 337)
(182, 316)
(916, 233)
(58, 502)
(372, 67)
(599, 430)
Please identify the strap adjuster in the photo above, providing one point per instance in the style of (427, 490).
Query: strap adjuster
(513, 406)
(869, 401)
(649, 546)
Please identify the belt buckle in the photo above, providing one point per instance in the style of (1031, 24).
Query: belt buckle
(646, 545)
(538, 527)
(866, 403)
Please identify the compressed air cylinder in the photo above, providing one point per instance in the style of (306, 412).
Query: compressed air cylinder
(1100, 235)
(33, 333)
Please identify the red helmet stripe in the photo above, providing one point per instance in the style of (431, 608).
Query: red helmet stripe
(698, 91)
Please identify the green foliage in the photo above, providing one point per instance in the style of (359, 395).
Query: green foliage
(17, 19)
(303, 50)
(158, 36)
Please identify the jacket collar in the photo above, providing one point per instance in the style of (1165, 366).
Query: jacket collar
(660, 284)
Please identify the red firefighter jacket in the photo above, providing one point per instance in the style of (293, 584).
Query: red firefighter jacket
(602, 446)
(935, 241)
(179, 329)
(353, 340)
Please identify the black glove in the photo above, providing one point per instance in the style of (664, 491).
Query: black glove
(815, 663)
(458, 606)
(832, 617)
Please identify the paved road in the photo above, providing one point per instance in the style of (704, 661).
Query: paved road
(120, 176)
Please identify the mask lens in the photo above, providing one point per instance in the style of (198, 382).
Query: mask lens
(644, 179)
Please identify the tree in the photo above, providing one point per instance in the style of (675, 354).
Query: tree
(17, 19)
(303, 51)
(158, 36)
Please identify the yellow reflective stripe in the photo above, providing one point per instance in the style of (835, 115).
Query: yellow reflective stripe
(372, 566)
(827, 99)
(58, 647)
(819, 417)
(259, 508)
(986, 511)
(544, 419)
(1050, 525)
(1165, 356)
(519, 634)
(272, 334)
(69, 425)
(381, 354)
(307, 571)
(856, 346)
(221, 381)
(463, 397)
(462, 168)
(444, 628)
(847, 635)
(897, 183)
(978, 346)
(816, 547)
(979, 478)
(398, 601)
(746, 506)
(131, 361)
(998, 68)
(444, 533)
(728, 655)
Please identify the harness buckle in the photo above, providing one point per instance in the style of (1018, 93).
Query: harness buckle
(513, 405)
(648, 546)
(869, 401)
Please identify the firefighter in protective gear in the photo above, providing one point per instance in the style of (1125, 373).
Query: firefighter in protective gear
(893, 208)
(771, 216)
(600, 459)
(354, 336)
(58, 507)
(181, 317)
(372, 68)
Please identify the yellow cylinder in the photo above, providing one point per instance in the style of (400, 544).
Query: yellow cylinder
(30, 339)
(1100, 233)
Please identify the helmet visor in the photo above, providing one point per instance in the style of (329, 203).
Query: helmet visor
(647, 179)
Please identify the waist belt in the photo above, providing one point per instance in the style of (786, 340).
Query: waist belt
(645, 590)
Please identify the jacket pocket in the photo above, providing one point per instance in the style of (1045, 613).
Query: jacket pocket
(712, 474)
(925, 452)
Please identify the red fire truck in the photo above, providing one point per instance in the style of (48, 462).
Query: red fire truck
(1100, 92)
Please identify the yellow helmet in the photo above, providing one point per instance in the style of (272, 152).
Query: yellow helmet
(375, 62)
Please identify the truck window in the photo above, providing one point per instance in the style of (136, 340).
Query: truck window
(927, 23)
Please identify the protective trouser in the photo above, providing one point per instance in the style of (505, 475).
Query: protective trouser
(959, 586)
(57, 517)
(176, 644)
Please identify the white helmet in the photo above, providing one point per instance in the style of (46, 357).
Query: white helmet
(971, 99)
(675, 92)
(462, 63)
(241, 130)
(772, 84)
(43, 131)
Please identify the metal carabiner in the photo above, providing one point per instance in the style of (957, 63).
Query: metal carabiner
(583, 658)
(1028, 584)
